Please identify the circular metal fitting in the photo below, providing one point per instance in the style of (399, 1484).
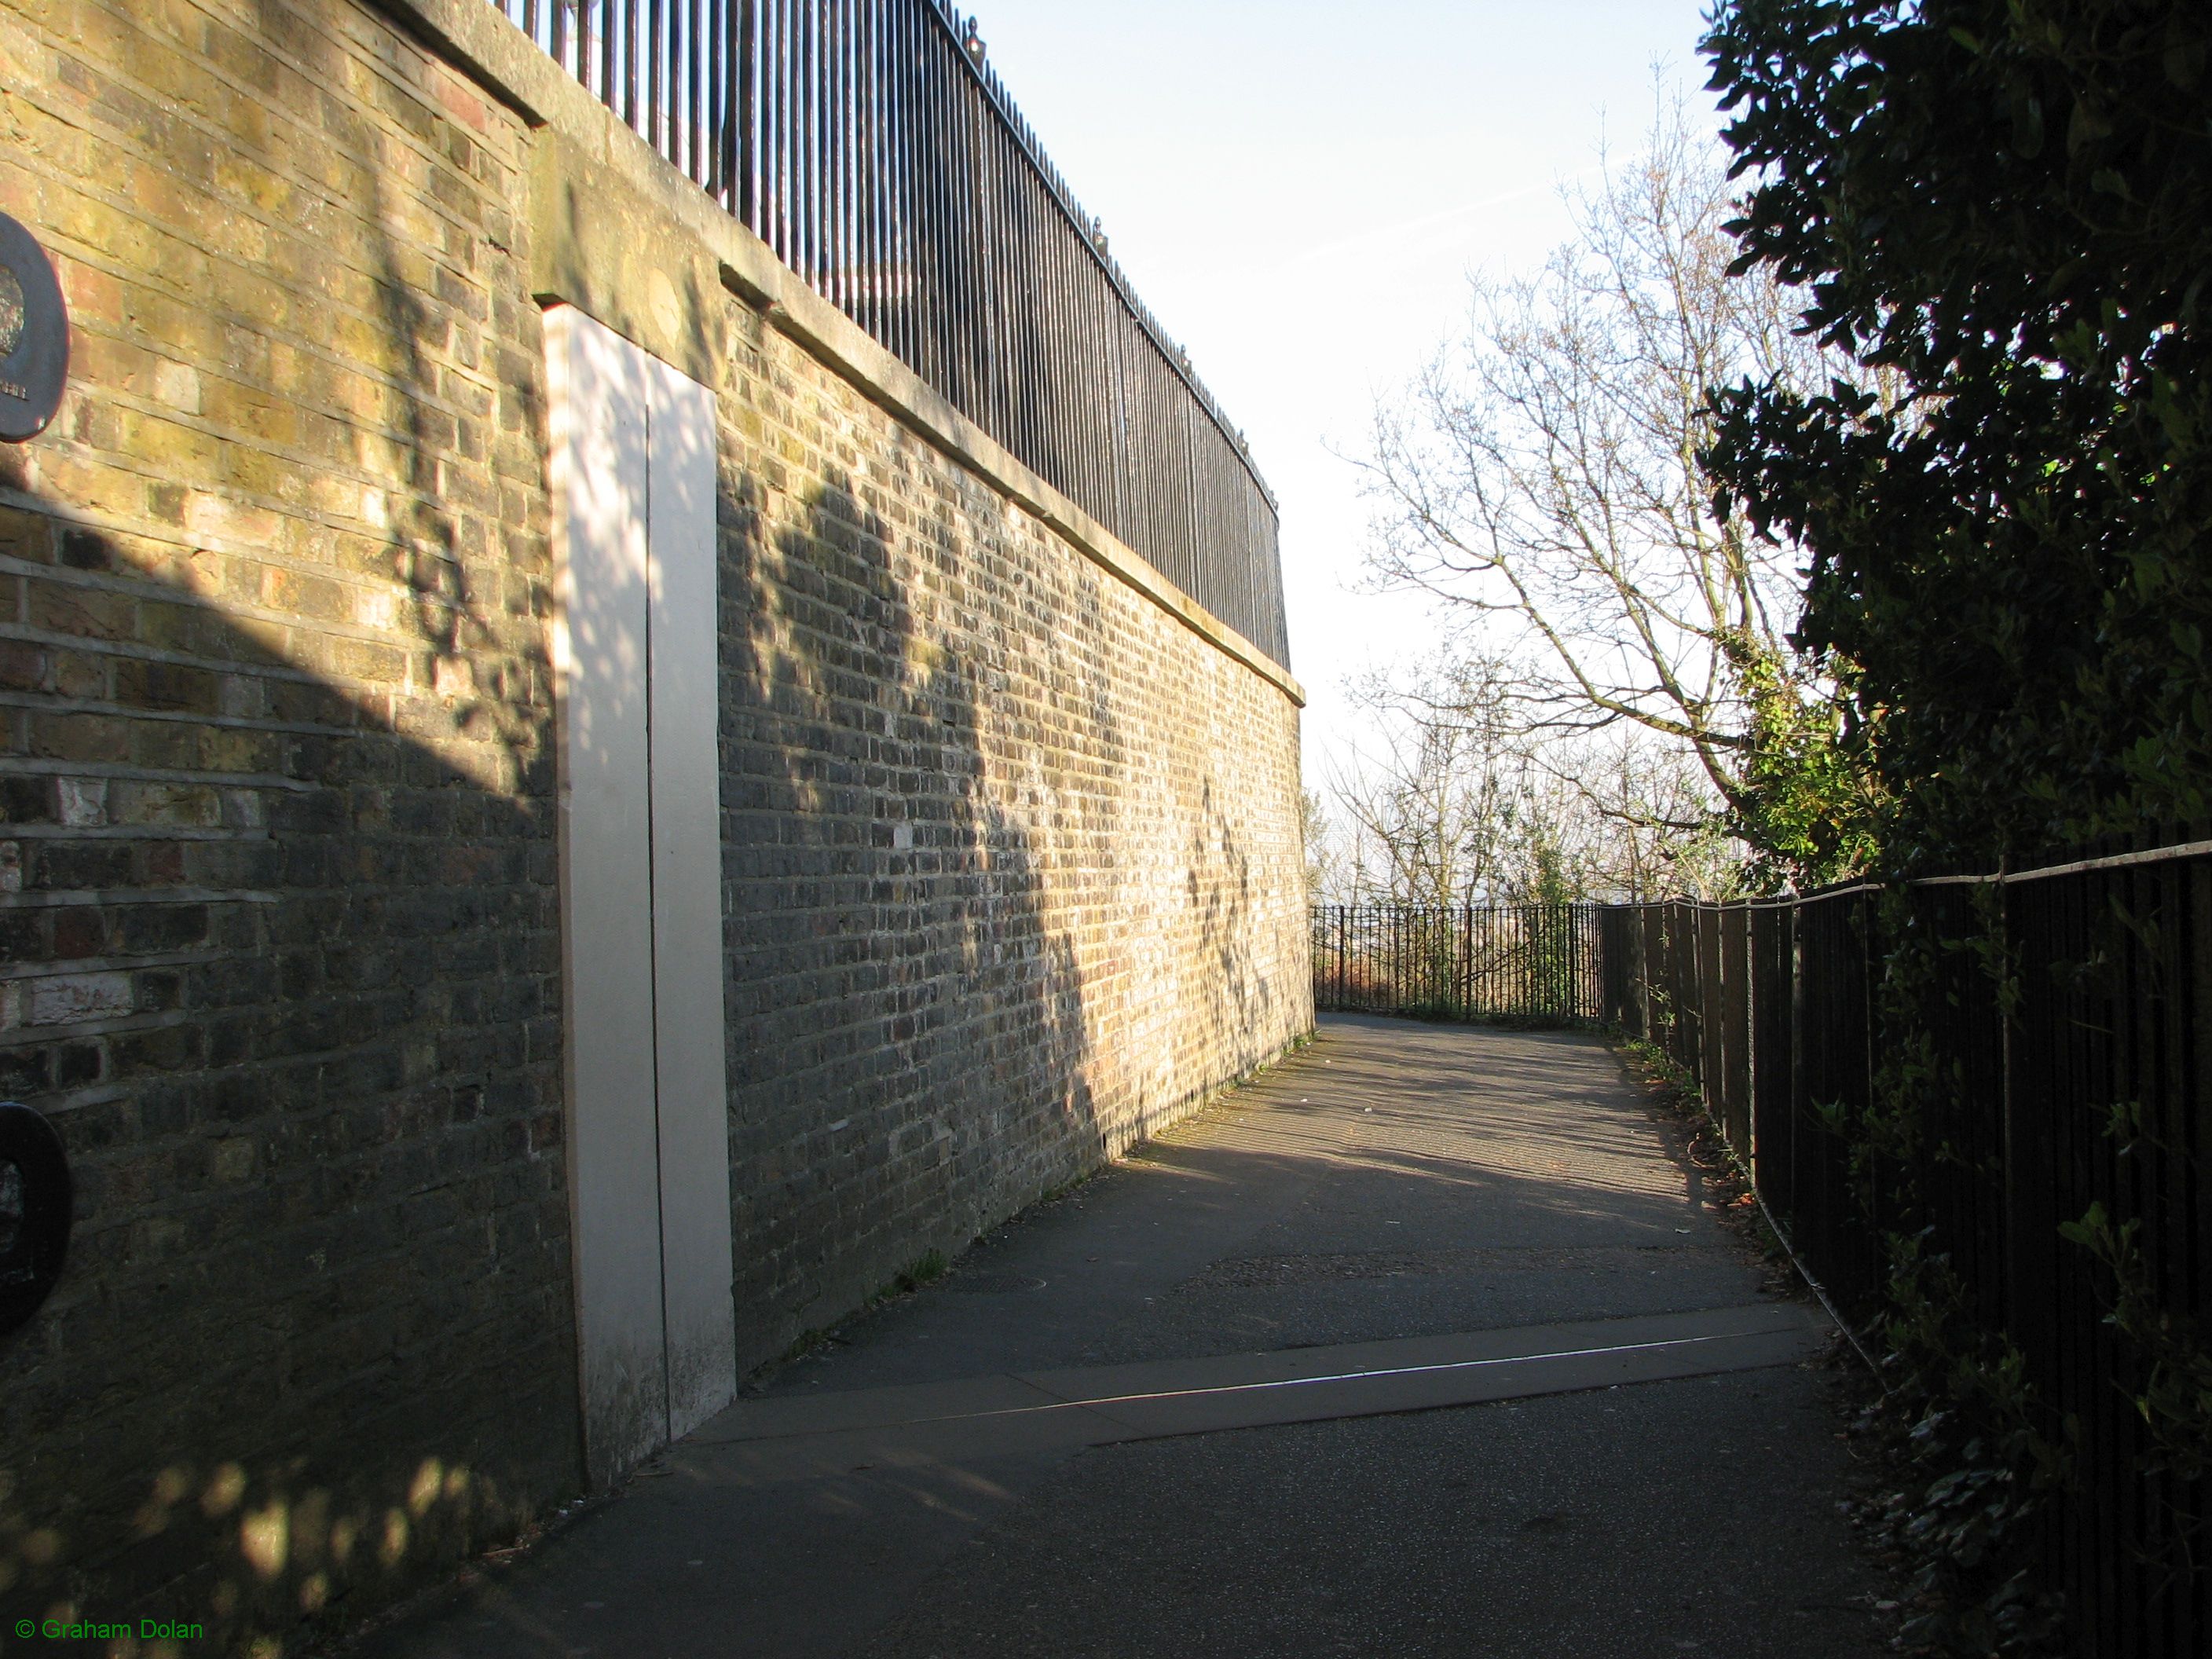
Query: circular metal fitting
(37, 1200)
(34, 335)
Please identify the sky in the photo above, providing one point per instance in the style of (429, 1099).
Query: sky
(1300, 191)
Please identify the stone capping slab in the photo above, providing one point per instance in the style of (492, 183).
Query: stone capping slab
(480, 43)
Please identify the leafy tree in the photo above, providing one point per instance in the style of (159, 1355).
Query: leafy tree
(2004, 208)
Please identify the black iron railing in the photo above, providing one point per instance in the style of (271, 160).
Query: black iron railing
(1531, 962)
(870, 144)
(2055, 1029)
(2051, 1032)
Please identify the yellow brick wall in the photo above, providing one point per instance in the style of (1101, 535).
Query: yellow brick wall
(1064, 826)
(1011, 853)
(280, 930)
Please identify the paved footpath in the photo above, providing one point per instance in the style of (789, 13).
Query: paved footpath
(1421, 1344)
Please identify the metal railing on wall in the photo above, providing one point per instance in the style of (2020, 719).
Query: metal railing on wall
(2058, 1034)
(870, 144)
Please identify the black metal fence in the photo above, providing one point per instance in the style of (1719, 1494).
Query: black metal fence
(1536, 961)
(871, 146)
(2054, 1028)
(2057, 1031)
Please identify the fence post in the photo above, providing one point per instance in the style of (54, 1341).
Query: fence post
(1643, 986)
(1464, 978)
(1734, 923)
(1682, 976)
(1794, 1109)
(1759, 928)
(1868, 1249)
(1340, 928)
(1576, 1000)
(2030, 1103)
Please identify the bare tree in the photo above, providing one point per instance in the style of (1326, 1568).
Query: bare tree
(1423, 807)
(1331, 878)
(1630, 818)
(1452, 806)
(1543, 474)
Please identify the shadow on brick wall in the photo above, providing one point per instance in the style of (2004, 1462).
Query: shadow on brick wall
(285, 970)
(924, 824)
(908, 1052)
(1226, 908)
(282, 964)
(282, 959)
(285, 978)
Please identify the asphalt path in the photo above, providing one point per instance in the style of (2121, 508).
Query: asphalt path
(1426, 1342)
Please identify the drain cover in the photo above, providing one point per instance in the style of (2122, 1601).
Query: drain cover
(992, 1283)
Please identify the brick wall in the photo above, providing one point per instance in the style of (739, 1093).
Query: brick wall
(1013, 857)
(1011, 849)
(281, 932)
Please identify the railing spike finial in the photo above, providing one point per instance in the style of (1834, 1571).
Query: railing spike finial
(973, 42)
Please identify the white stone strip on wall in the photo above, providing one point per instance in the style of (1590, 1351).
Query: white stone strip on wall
(683, 710)
(601, 449)
(640, 882)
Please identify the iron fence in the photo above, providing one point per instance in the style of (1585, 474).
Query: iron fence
(2055, 1028)
(870, 144)
(1536, 961)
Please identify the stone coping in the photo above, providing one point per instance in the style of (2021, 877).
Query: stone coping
(591, 176)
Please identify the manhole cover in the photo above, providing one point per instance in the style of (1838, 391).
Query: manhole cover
(992, 1283)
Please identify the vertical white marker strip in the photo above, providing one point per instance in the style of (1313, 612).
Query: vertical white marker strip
(601, 410)
(687, 887)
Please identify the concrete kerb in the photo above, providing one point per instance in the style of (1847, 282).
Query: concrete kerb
(812, 1438)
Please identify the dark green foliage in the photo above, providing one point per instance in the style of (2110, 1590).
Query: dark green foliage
(2175, 1399)
(2004, 209)
(1978, 1456)
(1975, 1473)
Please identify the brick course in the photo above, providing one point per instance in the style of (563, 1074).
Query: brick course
(1010, 852)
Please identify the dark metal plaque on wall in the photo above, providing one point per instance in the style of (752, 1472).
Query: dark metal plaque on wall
(34, 336)
(37, 1201)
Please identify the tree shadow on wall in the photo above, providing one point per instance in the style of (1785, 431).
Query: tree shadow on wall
(1230, 913)
(908, 1052)
(285, 978)
(284, 969)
